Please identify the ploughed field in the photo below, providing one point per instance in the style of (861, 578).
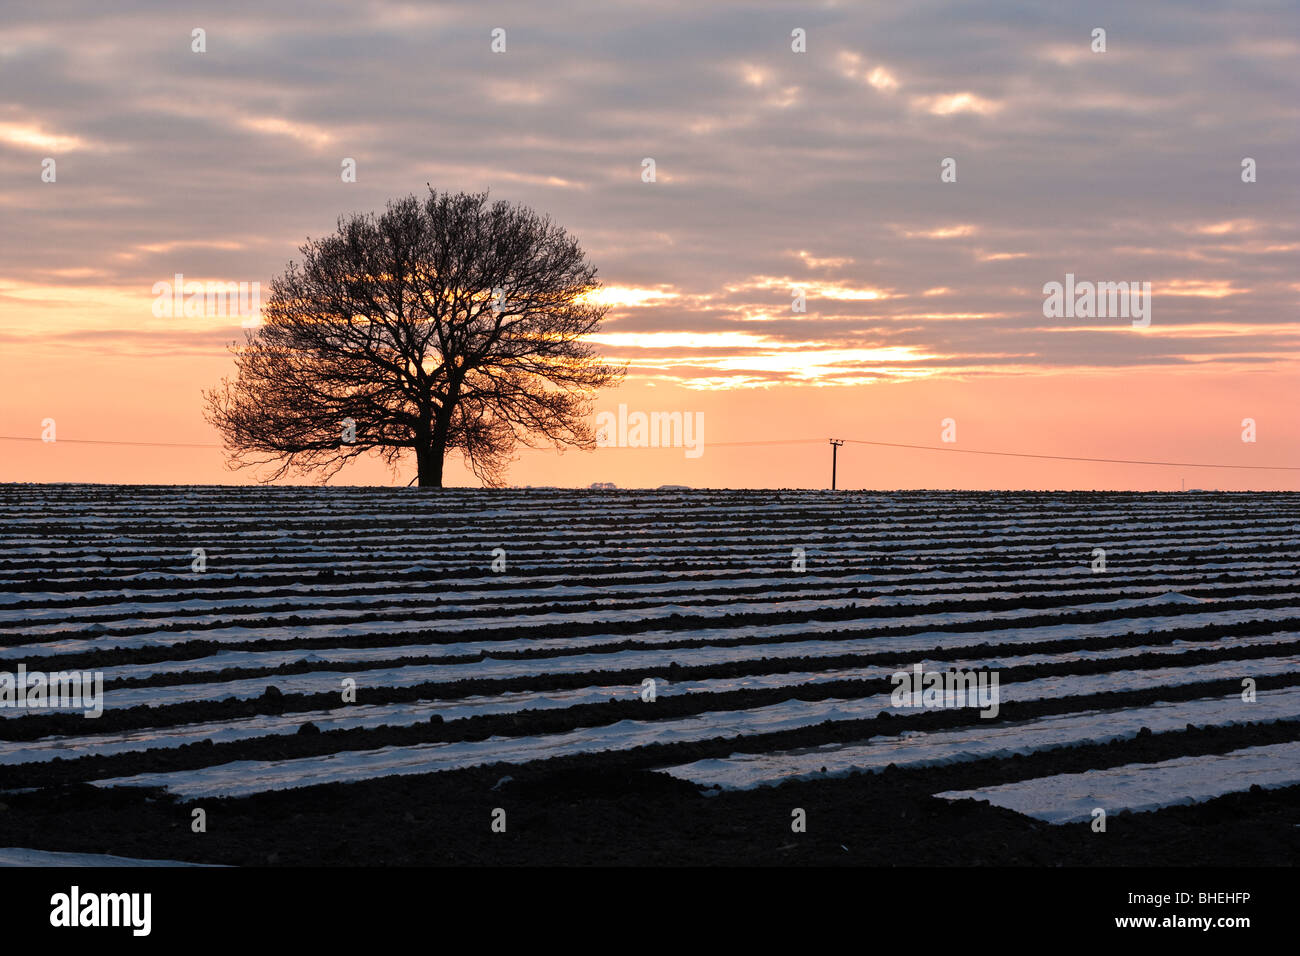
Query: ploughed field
(378, 676)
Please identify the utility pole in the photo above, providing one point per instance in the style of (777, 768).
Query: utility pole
(835, 447)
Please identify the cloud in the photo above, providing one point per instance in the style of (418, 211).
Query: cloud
(775, 170)
(949, 104)
(33, 136)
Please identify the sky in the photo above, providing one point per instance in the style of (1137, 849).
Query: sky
(776, 172)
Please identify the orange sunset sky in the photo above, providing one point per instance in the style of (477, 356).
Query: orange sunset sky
(776, 170)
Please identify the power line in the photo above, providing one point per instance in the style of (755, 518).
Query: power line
(1110, 461)
(773, 441)
(1005, 454)
(103, 441)
(769, 441)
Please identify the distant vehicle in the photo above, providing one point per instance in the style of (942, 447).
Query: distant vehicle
(603, 486)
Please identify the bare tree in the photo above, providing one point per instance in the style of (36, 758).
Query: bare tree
(448, 324)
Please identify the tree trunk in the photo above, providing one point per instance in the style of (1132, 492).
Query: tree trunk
(429, 461)
(429, 456)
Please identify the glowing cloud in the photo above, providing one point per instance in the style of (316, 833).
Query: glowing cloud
(951, 104)
(27, 136)
(623, 297)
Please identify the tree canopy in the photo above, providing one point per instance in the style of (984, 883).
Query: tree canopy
(448, 324)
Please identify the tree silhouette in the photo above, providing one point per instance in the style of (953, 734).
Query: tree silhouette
(448, 324)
